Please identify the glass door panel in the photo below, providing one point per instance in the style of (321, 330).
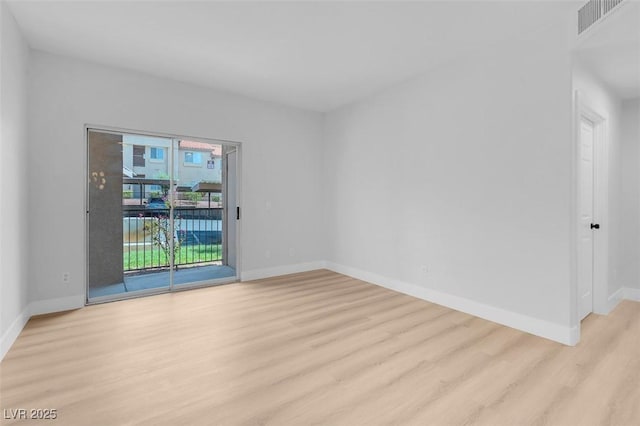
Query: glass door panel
(127, 216)
(198, 213)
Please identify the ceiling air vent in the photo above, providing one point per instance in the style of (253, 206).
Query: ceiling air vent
(593, 11)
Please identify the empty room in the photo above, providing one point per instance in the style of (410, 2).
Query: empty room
(320, 212)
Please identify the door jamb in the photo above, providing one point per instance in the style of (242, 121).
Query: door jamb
(231, 211)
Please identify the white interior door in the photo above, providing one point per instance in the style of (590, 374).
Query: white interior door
(585, 209)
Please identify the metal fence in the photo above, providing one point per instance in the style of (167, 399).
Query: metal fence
(197, 237)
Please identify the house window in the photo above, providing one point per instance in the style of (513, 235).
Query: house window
(138, 155)
(157, 154)
(194, 158)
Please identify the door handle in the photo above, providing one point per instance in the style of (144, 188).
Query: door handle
(595, 226)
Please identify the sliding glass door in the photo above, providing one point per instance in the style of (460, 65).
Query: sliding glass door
(157, 218)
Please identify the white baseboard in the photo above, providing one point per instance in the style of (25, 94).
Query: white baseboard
(574, 336)
(632, 294)
(40, 307)
(613, 301)
(12, 333)
(257, 274)
(556, 332)
(538, 327)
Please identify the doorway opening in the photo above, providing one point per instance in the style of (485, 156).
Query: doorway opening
(159, 213)
(592, 211)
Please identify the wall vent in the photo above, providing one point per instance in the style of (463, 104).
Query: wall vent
(593, 11)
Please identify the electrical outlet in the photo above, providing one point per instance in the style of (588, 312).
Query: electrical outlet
(66, 277)
(267, 254)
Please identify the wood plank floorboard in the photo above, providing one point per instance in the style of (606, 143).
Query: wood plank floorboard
(315, 348)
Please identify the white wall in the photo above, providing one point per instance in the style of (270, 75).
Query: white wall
(630, 195)
(466, 171)
(602, 100)
(13, 180)
(281, 156)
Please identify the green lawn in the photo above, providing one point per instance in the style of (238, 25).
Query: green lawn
(155, 257)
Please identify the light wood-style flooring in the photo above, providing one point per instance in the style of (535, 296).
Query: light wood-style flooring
(316, 348)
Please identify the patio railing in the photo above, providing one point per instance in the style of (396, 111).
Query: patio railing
(197, 237)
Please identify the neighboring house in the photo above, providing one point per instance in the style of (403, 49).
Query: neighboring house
(148, 157)
(199, 161)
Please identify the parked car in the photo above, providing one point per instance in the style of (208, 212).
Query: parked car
(155, 203)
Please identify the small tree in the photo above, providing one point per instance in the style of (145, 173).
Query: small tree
(160, 230)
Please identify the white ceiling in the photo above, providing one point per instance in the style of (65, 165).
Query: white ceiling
(312, 55)
(612, 50)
